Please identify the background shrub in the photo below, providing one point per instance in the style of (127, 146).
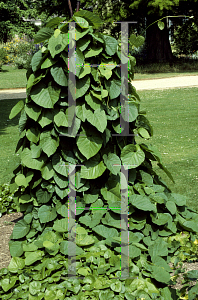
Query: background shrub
(2, 57)
(19, 51)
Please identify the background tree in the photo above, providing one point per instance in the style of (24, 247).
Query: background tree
(145, 12)
(12, 15)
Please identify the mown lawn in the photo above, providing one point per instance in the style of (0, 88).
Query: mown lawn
(139, 76)
(172, 113)
(11, 78)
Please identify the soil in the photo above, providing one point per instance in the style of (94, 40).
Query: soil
(7, 223)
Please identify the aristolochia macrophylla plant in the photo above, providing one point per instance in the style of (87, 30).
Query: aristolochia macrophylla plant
(40, 241)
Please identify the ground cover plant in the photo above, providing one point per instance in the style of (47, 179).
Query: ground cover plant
(39, 244)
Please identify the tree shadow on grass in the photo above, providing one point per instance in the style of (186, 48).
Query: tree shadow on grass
(5, 109)
(3, 71)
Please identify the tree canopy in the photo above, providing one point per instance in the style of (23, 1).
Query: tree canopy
(12, 15)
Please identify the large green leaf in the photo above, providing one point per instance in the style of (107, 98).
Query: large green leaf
(47, 172)
(158, 248)
(36, 60)
(64, 248)
(48, 63)
(43, 196)
(170, 205)
(33, 134)
(136, 41)
(92, 169)
(93, 220)
(28, 161)
(60, 119)
(133, 251)
(16, 264)
(113, 163)
(61, 181)
(84, 71)
(89, 143)
(160, 274)
(110, 44)
(46, 213)
(82, 86)
(105, 231)
(60, 166)
(45, 96)
(8, 283)
(80, 33)
(111, 220)
(20, 230)
(57, 44)
(161, 218)
(98, 119)
(32, 257)
(33, 111)
(43, 34)
(105, 71)
(46, 117)
(48, 143)
(113, 87)
(141, 202)
(132, 156)
(81, 22)
(83, 43)
(93, 51)
(21, 180)
(16, 248)
(62, 193)
(16, 109)
(54, 22)
(59, 75)
(131, 113)
(93, 19)
(61, 225)
(93, 102)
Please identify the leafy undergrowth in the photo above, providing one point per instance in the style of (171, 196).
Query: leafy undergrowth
(76, 247)
(7, 204)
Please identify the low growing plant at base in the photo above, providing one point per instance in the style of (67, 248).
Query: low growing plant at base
(39, 243)
(7, 204)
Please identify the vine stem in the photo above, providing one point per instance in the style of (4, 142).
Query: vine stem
(70, 8)
(190, 17)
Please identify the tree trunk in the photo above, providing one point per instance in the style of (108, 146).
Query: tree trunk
(158, 45)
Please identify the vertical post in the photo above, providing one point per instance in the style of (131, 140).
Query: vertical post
(124, 224)
(71, 223)
(124, 116)
(72, 80)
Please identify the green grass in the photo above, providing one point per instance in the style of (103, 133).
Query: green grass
(11, 78)
(9, 136)
(139, 76)
(173, 115)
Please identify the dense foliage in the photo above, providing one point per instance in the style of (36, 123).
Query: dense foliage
(7, 204)
(156, 218)
(186, 37)
(14, 15)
